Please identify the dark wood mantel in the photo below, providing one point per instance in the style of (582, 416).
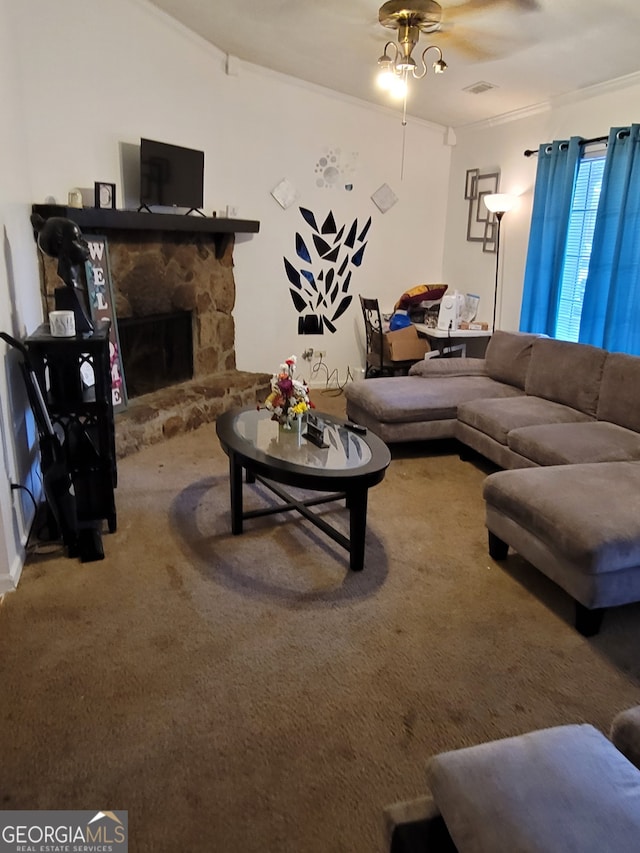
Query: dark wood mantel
(95, 219)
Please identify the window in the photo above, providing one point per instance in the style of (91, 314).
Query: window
(582, 221)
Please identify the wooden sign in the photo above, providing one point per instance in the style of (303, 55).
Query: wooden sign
(101, 301)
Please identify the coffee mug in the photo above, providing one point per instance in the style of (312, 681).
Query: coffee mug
(62, 324)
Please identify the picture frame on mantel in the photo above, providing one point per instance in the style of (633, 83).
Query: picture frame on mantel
(104, 195)
(102, 305)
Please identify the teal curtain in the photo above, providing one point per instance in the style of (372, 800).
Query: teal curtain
(555, 179)
(611, 307)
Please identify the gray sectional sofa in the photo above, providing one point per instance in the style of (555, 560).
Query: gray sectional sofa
(531, 401)
(565, 419)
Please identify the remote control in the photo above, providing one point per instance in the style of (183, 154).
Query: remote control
(356, 427)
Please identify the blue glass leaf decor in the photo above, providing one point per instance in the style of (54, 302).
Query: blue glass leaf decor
(309, 218)
(322, 247)
(329, 225)
(292, 274)
(298, 300)
(342, 307)
(308, 275)
(301, 249)
(320, 285)
(356, 260)
(363, 233)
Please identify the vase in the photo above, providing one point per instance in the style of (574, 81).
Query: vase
(290, 423)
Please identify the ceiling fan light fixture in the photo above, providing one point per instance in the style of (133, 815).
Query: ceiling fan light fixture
(409, 18)
(407, 64)
(385, 79)
(398, 88)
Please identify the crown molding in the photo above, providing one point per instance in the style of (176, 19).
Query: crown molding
(342, 96)
(566, 99)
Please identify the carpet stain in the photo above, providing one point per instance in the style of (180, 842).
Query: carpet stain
(409, 719)
(176, 581)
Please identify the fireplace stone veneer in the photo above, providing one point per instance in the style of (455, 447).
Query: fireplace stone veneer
(159, 271)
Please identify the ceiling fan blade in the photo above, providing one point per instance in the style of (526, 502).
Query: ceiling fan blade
(481, 45)
(467, 45)
(460, 10)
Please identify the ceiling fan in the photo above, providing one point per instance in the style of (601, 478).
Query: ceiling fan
(412, 17)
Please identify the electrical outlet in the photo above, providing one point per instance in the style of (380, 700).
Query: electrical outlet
(308, 354)
(320, 353)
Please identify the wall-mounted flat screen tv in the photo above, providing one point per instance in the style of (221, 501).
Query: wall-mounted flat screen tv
(170, 175)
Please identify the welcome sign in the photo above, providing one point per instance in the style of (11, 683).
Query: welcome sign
(100, 289)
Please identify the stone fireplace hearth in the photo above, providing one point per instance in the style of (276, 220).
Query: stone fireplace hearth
(165, 272)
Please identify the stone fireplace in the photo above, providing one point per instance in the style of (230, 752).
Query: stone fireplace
(159, 274)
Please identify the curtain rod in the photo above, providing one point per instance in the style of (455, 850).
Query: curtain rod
(622, 133)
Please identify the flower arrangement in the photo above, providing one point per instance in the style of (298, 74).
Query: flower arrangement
(289, 397)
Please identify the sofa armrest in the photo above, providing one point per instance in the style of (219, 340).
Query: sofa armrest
(625, 734)
(449, 367)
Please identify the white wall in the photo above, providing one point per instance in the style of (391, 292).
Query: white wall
(138, 73)
(587, 114)
(20, 313)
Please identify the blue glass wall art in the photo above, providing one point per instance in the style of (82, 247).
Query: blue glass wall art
(320, 277)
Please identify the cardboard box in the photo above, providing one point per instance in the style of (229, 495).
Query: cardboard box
(403, 345)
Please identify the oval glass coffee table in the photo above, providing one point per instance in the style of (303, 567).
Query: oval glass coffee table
(346, 467)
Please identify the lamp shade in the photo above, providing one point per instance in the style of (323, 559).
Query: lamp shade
(499, 202)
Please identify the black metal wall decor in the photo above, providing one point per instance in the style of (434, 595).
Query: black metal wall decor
(482, 225)
(320, 288)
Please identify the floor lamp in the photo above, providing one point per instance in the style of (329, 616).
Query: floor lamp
(498, 204)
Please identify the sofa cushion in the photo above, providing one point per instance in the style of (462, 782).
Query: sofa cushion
(497, 418)
(565, 788)
(567, 373)
(508, 355)
(403, 399)
(564, 444)
(449, 367)
(587, 513)
(616, 404)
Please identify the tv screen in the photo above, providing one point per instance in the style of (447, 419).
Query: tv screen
(171, 176)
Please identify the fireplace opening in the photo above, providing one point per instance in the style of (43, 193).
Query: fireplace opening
(157, 351)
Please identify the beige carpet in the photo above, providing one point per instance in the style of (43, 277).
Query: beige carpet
(251, 695)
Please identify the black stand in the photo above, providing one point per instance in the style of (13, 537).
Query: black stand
(82, 416)
(191, 210)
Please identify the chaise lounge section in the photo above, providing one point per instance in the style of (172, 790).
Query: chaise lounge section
(577, 524)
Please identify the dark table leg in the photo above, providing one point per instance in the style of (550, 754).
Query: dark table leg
(357, 503)
(235, 483)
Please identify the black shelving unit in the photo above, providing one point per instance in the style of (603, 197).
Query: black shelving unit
(75, 378)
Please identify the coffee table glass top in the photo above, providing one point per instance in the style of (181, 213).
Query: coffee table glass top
(346, 449)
